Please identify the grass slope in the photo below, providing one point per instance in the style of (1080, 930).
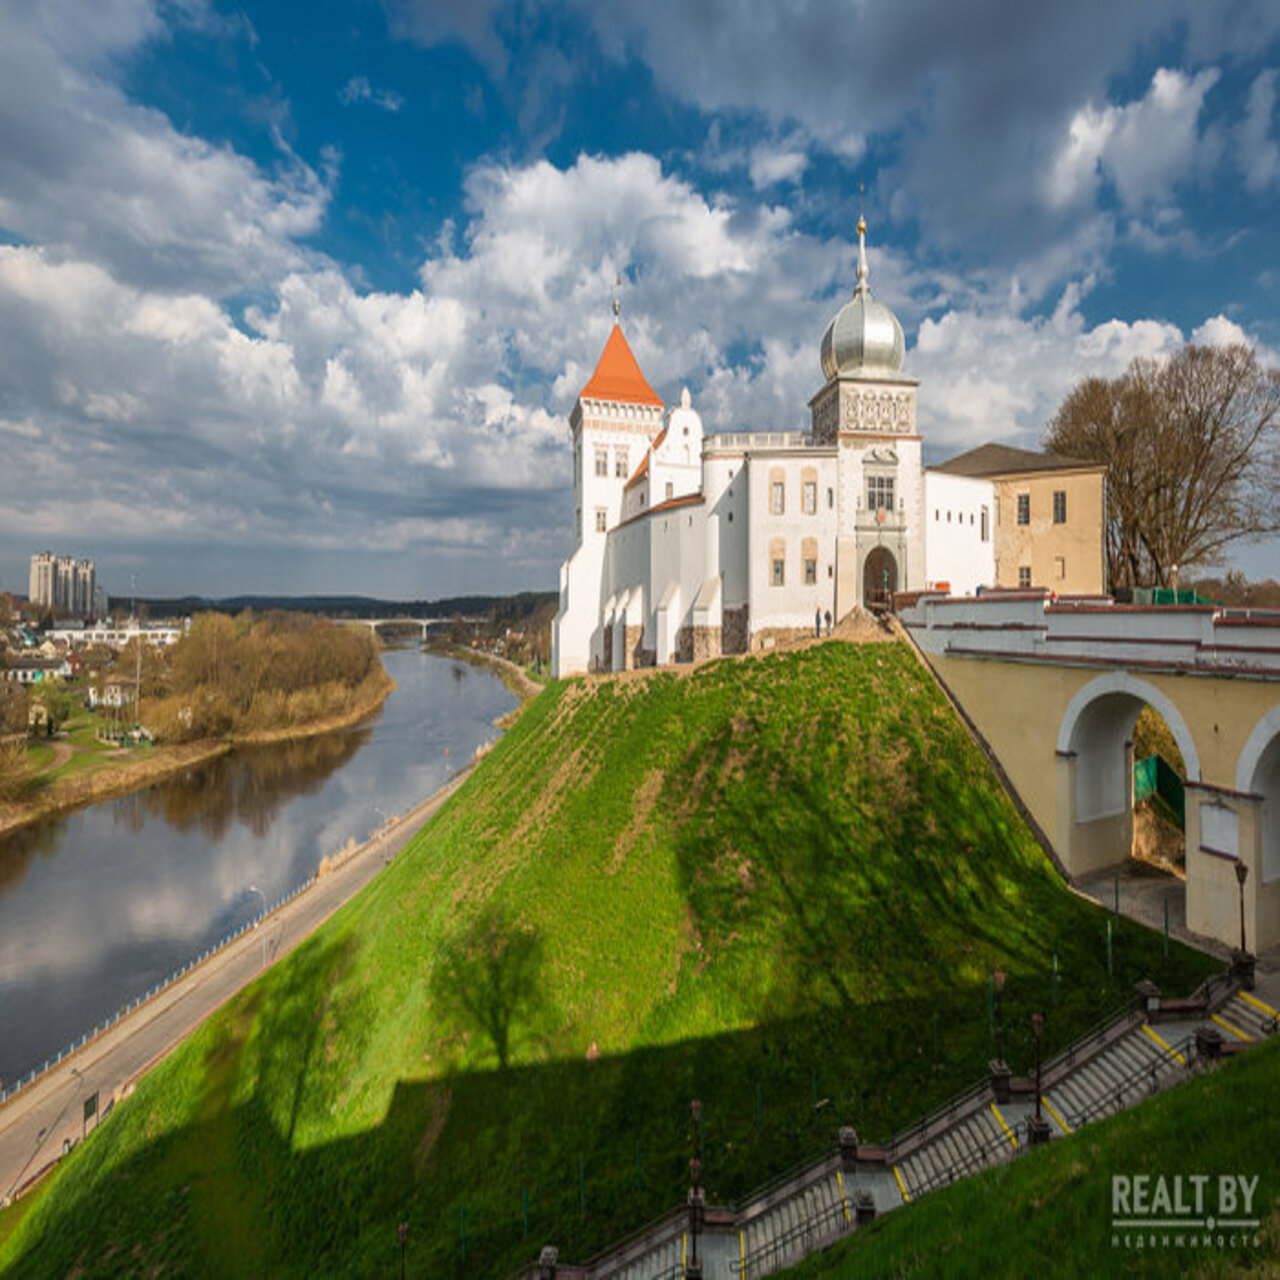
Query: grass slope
(776, 885)
(1056, 1203)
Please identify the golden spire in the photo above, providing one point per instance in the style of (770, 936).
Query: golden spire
(862, 247)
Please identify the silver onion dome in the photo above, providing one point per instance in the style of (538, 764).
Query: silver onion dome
(865, 336)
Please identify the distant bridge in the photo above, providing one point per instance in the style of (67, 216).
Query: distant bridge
(423, 624)
(1055, 688)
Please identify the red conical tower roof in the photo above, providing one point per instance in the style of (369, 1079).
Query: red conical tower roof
(618, 376)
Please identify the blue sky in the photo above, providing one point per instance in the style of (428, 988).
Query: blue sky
(296, 298)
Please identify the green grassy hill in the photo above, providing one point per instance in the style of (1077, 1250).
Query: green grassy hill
(1056, 1202)
(777, 885)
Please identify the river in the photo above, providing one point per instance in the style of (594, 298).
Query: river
(99, 905)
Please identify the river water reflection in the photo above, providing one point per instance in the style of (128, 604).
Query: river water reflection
(98, 906)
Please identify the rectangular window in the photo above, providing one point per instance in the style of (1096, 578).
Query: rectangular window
(810, 573)
(831, 498)
(810, 497)
(671, 490)
(602, 519)
(1060, 566)
(1059, 506)
(777, 492)
(986, 526)
(779, 578)
(620, 463)
(1024, 575)
(602, 462)
(1024, 508)
(880, 493)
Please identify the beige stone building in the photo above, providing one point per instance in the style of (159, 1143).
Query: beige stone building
(1048, 517)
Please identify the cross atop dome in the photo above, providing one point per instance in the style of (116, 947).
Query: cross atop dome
(864, 338)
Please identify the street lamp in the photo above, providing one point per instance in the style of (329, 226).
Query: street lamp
(1242, 874)
(697, 1197)
(253, 888)
(1242, 963)
(1001, 1076)
(1038, 1126)
(999, 981)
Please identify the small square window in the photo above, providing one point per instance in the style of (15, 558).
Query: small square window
(880, 493)
(1059, 506)
(1024, 508)
(602, 519)
(777, 498)
(779, 578)
(1024, 575)
(810, 573)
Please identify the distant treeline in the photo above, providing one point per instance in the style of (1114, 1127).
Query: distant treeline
(262, 672)
(511, 610)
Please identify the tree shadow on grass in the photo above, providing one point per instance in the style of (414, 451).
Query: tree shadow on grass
(593, 1148)
(488, 980)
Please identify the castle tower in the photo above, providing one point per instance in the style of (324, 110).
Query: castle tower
(614, 422)
(867, 407)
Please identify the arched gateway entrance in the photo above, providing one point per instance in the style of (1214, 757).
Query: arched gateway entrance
(879, 578)
(1095, 746)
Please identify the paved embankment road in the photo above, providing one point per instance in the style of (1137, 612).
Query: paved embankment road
(38, 1120)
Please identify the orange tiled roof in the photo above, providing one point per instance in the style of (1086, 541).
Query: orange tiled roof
(643, 469)
(618, 376)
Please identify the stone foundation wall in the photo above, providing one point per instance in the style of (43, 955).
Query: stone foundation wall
(735, 634)
(684, 645)
(771, 637)
(706, 643)
(631, 647)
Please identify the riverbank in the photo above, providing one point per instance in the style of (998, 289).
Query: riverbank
(43, 1121)
(515, 680)
(138, 767)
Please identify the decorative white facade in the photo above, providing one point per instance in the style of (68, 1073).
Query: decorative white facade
(688, 546)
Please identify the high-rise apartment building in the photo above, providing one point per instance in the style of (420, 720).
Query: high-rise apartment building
(62, 583)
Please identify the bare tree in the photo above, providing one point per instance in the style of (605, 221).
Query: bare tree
(1193, 456)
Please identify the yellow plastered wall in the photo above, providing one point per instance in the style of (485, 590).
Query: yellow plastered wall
(1067, 557)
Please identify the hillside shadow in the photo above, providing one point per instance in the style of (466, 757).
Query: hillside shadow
(589, 1149)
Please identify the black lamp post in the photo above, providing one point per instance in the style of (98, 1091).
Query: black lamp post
(1000, 1074)
(697, 1197)
(999, 977)
(1242, 961)
(1242, 874)
(1038, 1126)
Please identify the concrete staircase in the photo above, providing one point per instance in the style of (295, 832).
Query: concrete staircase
(1135, 1054)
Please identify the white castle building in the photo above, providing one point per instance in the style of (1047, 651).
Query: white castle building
(688, 546)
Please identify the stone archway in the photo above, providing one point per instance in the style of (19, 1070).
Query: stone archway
(879, 578)
(1095, 802)
(1258, 774)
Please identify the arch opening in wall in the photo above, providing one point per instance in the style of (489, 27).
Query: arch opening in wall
(1258, 774)
(879, 579)
(1159, 794)
(1133, 756)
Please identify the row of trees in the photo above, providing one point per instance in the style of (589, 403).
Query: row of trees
(260, 671)
(1192, 449)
